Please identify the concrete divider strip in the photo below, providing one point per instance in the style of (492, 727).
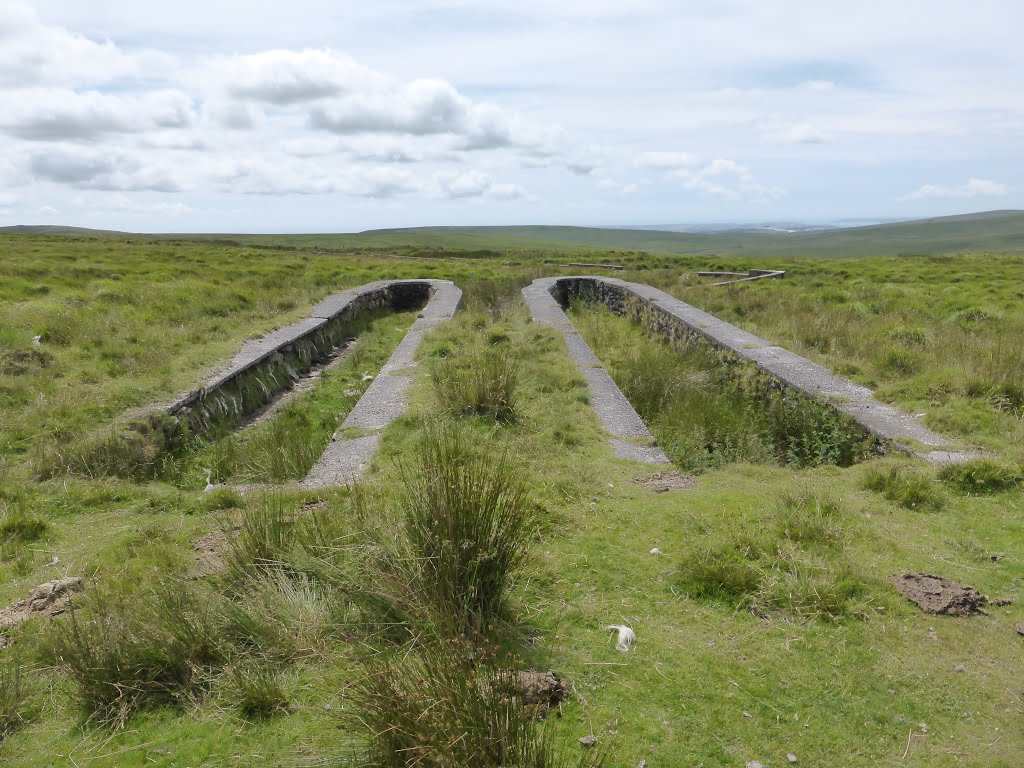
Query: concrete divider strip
(630, 438)
(346, 458)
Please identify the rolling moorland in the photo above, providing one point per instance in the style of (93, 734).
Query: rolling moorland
(346, 626)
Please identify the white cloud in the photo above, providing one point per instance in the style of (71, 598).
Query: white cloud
(86, 168)
(796, 133)
(48, 210)
(60, 115)
(33, 53)
(474, 184)
(728, 180)
(970, 188)
(666, 160)
(284, 78)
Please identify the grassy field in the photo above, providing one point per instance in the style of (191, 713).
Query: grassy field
(496, 532)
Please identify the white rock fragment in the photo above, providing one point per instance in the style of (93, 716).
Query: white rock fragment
(626, 636)
(655, 551)
(792, 758)
(37, 341)
(367, 377)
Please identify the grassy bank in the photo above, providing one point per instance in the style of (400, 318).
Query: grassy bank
(765, 621)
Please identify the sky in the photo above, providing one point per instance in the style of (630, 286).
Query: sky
(336, 116)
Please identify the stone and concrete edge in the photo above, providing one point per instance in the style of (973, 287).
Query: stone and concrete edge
(346, 458)
(629, 436)
(292, 347)
(674, 318)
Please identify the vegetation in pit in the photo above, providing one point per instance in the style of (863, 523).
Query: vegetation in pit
(706, 412)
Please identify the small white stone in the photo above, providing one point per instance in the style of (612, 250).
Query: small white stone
(655, 551)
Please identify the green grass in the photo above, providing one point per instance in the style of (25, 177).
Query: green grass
(790, 619)
(937, 335)
(705, 413)
(906, 486)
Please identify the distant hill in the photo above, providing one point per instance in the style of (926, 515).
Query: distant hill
(997, 231)
(56, 229)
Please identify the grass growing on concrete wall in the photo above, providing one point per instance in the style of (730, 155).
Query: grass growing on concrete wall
(289, 442)
(706, 413)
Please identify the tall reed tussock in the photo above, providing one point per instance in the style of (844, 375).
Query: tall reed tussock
(484, 383)
(447, 704)
(464, 519)
(159, 647)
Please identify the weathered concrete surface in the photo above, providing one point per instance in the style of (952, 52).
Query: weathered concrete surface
(267, 365)
(630, 438)
(682, 323)
(384, 400)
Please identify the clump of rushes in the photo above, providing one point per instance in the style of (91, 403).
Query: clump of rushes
(13, 693)
(482, 383)
(981, 476)
(465, 518)
(446, 704)
(256, 689)
(904, 486)
(158, 647)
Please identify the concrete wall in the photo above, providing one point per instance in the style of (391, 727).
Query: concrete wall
(683, 324)
(266, 366)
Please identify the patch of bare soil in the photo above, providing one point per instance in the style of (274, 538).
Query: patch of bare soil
(934, 594)
(49, 599)
(209, 551)
(667, 481)
(542, 690)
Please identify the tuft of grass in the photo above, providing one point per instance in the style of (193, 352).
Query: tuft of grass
(808, 520)
(444, 705)
(13, 694)
(266, 534)
(281, 616)
(256, 690)
(981, 476)
(903, 486)
(485, 383)
(724, 572)
(19, 525)
(793, 563)
(123, 654)
(465, 520)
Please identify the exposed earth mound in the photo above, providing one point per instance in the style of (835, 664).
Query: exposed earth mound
(934, 594)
